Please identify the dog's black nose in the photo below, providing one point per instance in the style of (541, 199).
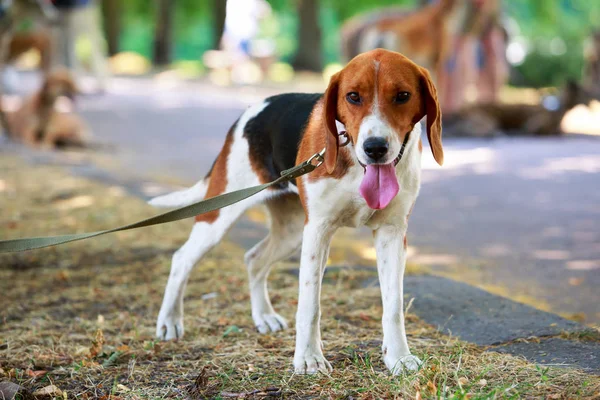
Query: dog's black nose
(376, 147)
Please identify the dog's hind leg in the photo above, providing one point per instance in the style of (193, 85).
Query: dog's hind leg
(285, 236)
(232, 171)
(204, 236)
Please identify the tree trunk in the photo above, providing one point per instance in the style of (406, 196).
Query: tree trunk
(219, 7)
(308, 57)
(111, 10)
(163, 32)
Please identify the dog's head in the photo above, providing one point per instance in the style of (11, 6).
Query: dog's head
(56, 84)
(380, 96)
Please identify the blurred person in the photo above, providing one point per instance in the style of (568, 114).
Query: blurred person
(80, 18)
(591, 72)
(477, 56)
(242, 18)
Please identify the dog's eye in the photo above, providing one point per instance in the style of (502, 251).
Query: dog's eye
(402, 97)
(353, 98)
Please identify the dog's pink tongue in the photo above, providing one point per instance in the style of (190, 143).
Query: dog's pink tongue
(379, 186)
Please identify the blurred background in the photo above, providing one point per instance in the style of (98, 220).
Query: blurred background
(514, 210)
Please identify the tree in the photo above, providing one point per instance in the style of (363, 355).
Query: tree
(308, 56)
(219, 8)
(112, 10)
(163, 33)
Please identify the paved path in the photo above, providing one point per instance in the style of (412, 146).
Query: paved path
(519, 216)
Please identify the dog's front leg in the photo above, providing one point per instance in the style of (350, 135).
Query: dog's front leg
(391, 261)
(308, 358)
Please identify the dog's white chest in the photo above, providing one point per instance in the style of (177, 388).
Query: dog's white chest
(339, 201)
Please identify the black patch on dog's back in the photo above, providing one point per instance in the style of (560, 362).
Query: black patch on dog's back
(275, 133)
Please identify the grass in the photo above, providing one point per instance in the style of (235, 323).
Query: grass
(81, 317)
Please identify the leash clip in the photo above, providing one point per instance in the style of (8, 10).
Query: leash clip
(318, 157)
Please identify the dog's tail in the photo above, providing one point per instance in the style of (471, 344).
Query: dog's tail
(183, 197)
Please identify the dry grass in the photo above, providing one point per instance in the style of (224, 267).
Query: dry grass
(82, 317)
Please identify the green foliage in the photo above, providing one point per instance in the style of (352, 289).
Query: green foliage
(555, 31)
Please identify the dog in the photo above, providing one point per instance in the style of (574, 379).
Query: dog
(492, 119)
(11, 13)
(38, 123)
(424, 35)
(39, 40)
(378, 99)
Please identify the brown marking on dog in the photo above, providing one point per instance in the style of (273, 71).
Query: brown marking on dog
(405, 242)
(420, 146)
(218, 178)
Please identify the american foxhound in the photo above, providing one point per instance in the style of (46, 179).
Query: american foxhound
(379, 99)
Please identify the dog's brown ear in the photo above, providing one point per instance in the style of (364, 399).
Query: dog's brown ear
(329, 118)
(434, 116)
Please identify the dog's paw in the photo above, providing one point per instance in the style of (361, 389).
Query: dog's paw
(403, 364)
(272, 322)
(311, 363)
(169, 328)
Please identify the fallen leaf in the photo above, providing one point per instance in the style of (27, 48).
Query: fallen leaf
(463, 380)
(365, 317)
(554, 396)
(482, 382)
(123, 348)
(431, 387)
(62, 276)
(35, 374)
(123, 388)
(50, 391)
(201, 387)
(97, 344)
